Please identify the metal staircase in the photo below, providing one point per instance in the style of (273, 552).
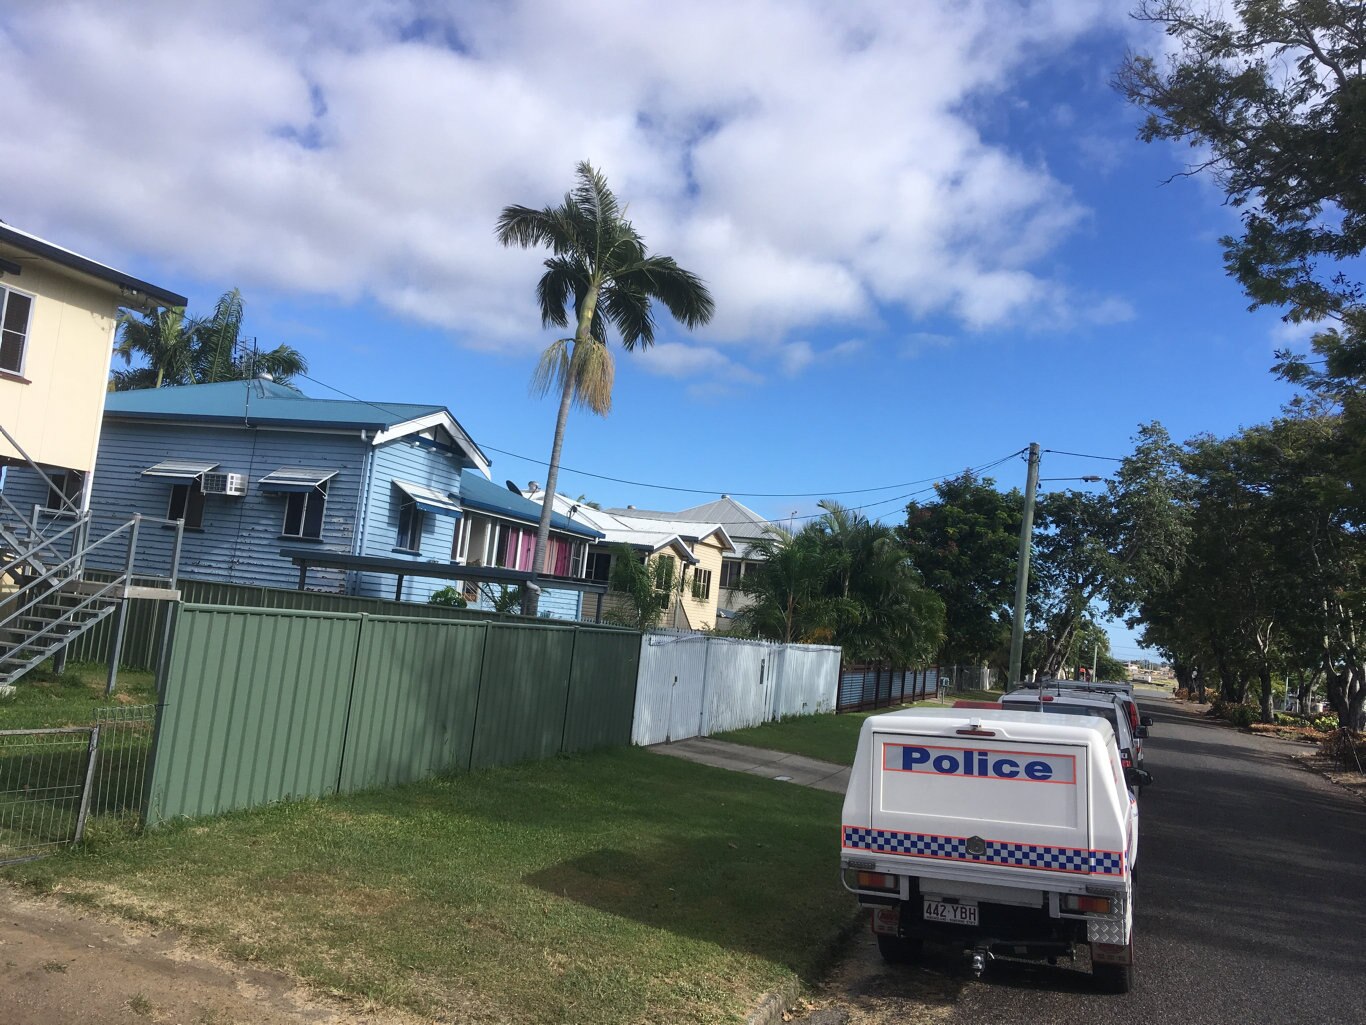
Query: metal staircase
(49, 595)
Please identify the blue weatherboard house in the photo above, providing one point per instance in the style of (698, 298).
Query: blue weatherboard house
(257, 469)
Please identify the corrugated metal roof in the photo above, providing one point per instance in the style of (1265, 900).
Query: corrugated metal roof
(260, 402)
(653, 535)
(179, 469)
(478, 492)
(295, 478)
(738, 519)
(428, 499)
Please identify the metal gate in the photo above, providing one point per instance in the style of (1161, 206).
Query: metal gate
(53, 781)
(45, 778)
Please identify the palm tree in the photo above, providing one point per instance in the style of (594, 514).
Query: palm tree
(165, 339)
(599, 262)
(788, 592)
(196, 350)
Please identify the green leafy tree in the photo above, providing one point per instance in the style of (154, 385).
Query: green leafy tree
(601, 270)
(1273, 99)
(642, 591)
(966, 546)
(885, 611)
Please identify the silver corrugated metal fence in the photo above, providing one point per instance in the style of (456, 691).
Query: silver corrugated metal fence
(697, 685)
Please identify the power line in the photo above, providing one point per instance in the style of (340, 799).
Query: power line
(704, 491)
(1083, 455)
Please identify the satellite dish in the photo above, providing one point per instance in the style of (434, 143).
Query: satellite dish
(514, 488)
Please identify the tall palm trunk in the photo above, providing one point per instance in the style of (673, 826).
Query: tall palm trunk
(531, 600)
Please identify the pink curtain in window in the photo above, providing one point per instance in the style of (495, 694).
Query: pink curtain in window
(560, 552)
(528, 549)
(510, 549)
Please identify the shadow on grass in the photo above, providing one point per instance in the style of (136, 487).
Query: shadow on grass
(704, 890)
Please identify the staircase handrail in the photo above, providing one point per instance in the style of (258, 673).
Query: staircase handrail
(65, 569)
(47, 542)
(28, 642)
(52, 488)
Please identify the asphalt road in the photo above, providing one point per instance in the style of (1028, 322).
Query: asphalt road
(1250, 903)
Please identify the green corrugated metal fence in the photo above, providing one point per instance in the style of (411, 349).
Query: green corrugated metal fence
(146, 618)
(254, 709)
(413, 700)
(264, 704)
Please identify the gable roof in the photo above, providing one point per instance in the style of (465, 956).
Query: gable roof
(738, 519)
(14, 242)
(620, 527)
(479, 493)
(260, 402)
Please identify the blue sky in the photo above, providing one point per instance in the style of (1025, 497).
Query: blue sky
(931, 233)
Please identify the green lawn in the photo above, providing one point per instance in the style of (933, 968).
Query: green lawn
(831, 738)
(615, 887)
(43, 699)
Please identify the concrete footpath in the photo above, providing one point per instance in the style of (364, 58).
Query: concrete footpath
(758, 761)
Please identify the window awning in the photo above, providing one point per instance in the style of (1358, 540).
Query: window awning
(429, 500)
(179, 469)
(295, 478)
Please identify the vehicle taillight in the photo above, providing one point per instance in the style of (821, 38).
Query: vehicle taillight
(1126, 761)
(1090, 905)
(878, 881)
(1133, 715)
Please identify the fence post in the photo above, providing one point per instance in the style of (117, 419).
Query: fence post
(703, 718)
(93, 752)
(121, 627)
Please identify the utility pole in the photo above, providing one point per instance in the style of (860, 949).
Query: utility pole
(1022, 571)
(1095, 659)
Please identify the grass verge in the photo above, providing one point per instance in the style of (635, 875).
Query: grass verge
(831, 738)
(605, 888)
(44, 699)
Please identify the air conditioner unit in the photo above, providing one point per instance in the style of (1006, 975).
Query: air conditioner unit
(223, 484)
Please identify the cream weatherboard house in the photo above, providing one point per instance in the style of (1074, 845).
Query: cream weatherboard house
(58, 315)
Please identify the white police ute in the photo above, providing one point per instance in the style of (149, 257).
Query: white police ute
(1011, 834)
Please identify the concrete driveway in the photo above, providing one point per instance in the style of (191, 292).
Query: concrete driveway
(758, 761)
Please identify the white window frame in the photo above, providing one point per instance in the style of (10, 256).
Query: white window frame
(701, 582)
(5, 293)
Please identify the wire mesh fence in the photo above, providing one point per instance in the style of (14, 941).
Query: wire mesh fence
(43, 777)
(53, 781)
(125, 743)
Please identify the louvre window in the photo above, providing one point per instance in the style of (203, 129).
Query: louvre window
(15, 308)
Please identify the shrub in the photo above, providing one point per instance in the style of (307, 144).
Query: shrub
(1182, 694)
(451, 596)
(1326, 723)
(1241, 716)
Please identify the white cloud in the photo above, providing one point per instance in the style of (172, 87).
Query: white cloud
(813, 162)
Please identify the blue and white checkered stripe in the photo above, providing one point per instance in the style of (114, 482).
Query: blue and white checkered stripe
(923, 845)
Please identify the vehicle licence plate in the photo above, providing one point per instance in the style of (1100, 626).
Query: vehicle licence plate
(953, 914)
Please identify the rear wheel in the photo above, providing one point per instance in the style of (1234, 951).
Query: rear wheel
(1113, 978)
(896, 950)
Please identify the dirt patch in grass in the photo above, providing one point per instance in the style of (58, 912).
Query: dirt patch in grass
(68, 965)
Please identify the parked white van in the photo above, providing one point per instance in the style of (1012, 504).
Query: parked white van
(1012, 834)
